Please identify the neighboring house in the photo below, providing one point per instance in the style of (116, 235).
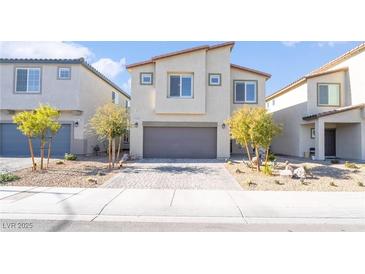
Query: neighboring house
(181, 100)
(323, 112)
(70, 85)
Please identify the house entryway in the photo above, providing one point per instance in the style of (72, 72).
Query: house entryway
(330, 142)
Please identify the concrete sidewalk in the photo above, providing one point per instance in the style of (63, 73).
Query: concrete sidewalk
(168, 205)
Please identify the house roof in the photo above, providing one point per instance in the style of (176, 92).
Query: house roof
(321, 69)
(158, 57)
(267, 75)
(331, 112)
(80, 61)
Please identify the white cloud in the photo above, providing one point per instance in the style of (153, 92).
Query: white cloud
(290, 43)
(44, 50)
(110, 68)
(330, 43)
(127, 86)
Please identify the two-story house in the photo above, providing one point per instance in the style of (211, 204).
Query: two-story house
(70, 85)
(323, 112)
(181, 100)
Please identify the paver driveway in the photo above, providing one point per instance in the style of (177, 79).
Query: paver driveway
(174, 174)
(8, 164)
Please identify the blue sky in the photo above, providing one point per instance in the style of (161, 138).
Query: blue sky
(286, 61)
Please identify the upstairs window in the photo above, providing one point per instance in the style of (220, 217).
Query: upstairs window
(28, 80)
(181, 85)
(328, 95)
(214, 79)
(113, 97)
(64, 73)
(146, 78)
(245, 92)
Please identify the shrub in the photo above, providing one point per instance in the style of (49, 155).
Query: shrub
(278, 182)
(267, 170)
(351, 165)
(60, 162)
(271, 157)
(70, 157)
(250, 183)
(361, 184)
(335, 161)
(333, 184)
(8, 177)
(229, 162)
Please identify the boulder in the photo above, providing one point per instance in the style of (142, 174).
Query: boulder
(286, 173)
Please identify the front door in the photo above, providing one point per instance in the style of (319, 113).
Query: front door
(330, 142)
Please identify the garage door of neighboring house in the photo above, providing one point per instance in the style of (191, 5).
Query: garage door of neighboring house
(14, 143)
(180, 142)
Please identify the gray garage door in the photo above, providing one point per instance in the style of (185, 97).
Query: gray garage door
(14, 143)
(180, 142)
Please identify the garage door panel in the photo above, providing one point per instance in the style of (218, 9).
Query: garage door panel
(179, 142)
(14, 143)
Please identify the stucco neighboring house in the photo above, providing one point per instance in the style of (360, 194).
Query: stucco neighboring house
(323, 112)
(70, 85)
(181, 100)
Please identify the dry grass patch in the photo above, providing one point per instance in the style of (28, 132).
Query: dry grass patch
(85, 172)
(326, 177)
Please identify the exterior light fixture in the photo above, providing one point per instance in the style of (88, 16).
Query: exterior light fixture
(136, 124)
(223, 126)
(76, 123)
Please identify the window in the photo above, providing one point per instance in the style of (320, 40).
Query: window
(328, 94)
(214, 79)
(113, 97)
(273, 102)
(64, 73)
(146, 78)
(181, 85)
(28, 80)
(127, 104)
(245, 92)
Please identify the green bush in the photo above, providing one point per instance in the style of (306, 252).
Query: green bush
(271, 157)
(267, 170)
(60, 162)
(70, 157)
(351, 165)
(8, 177)
(335, 161)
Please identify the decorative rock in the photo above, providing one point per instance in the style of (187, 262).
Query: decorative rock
(300, 173)
(92, 180)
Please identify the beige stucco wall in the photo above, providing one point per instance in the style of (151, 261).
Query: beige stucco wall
(62, 94)
(344, 133)
(337, 78)
(210, 103)
(83, 92)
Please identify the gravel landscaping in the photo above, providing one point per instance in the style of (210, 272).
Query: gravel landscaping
(85, 172)
(326, 177)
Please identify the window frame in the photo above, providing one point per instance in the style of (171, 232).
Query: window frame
(27, 90)
(181, 75)
(210, 75)
(59, 73)
(141, 75)
(245, 101)
(339, 94)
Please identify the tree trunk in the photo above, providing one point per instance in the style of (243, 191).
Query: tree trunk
(34, 167)
(266, 155)
(49, 151)
(42, 153)
(113, 152)
(119, 146)
(110, 153)
(257, 158)
(248, 151)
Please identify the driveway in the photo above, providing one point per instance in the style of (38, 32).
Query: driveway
(174, 174)
(9, 164)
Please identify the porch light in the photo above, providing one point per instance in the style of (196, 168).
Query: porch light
(76, 123)
(136, 124)
(223, 126)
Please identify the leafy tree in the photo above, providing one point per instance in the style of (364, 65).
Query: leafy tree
(254, 126)
(36, 124)
(239, 124)
(110, 121)
(27, 124)
(46, 122)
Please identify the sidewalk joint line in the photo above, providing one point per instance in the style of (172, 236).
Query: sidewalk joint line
(73, 194)
(108, 204)
(23, 191)
(173, 196)
(239, 209)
